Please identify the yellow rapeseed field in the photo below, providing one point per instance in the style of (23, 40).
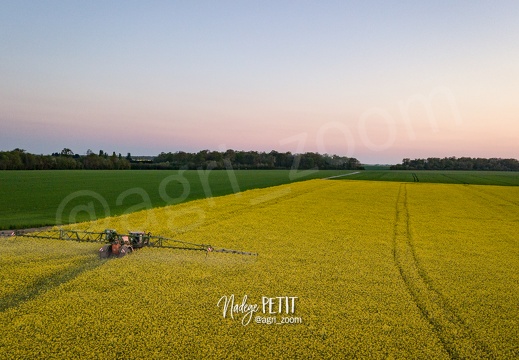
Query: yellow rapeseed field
(355, 269)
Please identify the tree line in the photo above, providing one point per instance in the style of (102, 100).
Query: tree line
(463, 163)
(19, 159)
(246, 160)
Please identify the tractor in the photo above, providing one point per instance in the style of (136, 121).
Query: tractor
(121, 245)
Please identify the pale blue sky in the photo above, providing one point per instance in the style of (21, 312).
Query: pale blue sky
(328, 76)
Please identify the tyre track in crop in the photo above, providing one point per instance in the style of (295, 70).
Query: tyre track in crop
(454, 334)
(505, 183)
(45, 284)
(457, 181)
(489, 196)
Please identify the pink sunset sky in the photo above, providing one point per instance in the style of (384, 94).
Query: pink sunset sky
(375, 80)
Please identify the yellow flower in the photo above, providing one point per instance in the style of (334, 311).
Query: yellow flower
(379, 270)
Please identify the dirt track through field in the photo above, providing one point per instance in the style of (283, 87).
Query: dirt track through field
(338, 176)
(455, 335)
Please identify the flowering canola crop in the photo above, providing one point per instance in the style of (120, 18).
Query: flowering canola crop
(379, 270)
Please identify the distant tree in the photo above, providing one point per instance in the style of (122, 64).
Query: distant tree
(66, 152)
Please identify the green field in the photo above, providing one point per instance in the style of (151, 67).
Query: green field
(40, 198)
(502, 178)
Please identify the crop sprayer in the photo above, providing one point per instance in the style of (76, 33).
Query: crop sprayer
(119, 245)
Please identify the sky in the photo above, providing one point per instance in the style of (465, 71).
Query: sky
(376, 80)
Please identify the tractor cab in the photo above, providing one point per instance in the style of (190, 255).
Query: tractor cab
(110, 235)
(139, 239)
